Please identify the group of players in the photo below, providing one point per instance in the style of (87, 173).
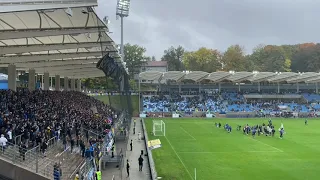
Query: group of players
(267, 130)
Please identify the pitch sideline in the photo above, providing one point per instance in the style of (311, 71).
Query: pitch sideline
(179, 158)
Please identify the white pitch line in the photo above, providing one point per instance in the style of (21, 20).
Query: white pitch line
(279, 150)
(179, 158)
(225, 152)
(188, 133)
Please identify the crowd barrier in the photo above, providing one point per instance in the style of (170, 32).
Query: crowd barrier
(271, 96)
(153, 172)
(240, 114)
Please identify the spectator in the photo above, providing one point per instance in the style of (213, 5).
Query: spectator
(3, 142)
(140, 159)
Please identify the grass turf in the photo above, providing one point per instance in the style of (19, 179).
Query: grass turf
(216, 154)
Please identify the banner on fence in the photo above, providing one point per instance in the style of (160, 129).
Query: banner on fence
(154, 144)
(175, 115)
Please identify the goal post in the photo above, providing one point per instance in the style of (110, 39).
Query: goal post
(158, 128)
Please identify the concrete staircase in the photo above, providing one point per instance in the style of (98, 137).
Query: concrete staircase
(70, 162)
(36, 162)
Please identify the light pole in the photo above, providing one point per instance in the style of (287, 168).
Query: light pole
(123, 7)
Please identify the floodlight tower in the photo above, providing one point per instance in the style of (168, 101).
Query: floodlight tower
(123, 7)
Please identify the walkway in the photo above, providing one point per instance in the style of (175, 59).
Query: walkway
(135, 174)
(133, 155)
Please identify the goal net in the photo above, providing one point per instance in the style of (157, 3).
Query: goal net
(159, 128)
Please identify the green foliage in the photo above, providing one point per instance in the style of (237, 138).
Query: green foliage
(234, 59)
(174, 58)
(203, 59)
(307, 59)
(133, 84)
(134, 56)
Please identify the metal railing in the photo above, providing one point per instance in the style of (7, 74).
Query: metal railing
(82, 164)
(52, 142)
(17, 139)
(92, 133)
(28, 159)
(48, 167)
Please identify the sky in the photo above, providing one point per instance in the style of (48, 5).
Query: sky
(216, 24)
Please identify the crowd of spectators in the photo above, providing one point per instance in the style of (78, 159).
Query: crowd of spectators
(41, 115)
(225, 102)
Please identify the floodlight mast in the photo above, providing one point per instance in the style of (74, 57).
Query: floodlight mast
(123, 7)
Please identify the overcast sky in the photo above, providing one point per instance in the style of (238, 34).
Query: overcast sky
(217, 24)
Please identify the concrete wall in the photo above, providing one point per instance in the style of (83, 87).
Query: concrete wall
(15, 172)
(153, 172)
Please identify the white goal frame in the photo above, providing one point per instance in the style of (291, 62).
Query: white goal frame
(158, 128)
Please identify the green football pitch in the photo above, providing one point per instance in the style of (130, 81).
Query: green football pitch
(191, 144)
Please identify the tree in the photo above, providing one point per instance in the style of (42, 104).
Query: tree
(307, 59)
(203, 59)
(148, 58)
(133, 85)
(153, 58)
(276, 59)
(134, 56)
(302, 57)
(234, 59)
(173, 56)
(255, 60)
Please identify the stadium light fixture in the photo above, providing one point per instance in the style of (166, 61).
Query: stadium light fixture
(123, 7)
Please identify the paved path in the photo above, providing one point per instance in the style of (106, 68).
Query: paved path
(138, 145)
(133, 156)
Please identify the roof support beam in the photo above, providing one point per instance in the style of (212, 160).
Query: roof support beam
(28, 33)
(75, 71)
(16, 49)
(84, 74)
(54, 63)
(62, 68)
(41, 57)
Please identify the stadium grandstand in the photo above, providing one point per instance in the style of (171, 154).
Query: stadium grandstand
(231, 94)
(58, 132)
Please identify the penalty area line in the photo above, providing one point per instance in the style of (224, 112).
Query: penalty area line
(188, 133)
(179, 158)
(279, 150)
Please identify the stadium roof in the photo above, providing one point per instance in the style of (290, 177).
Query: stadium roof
(64, 38)
(236, 77)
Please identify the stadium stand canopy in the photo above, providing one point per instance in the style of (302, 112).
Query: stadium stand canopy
(236, 77)
(64, 38)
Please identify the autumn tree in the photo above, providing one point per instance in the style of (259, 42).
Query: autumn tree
(276, 59)
(302, 57)
(173, 56)
(234, 59)
(307, 59)
(203, 59)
